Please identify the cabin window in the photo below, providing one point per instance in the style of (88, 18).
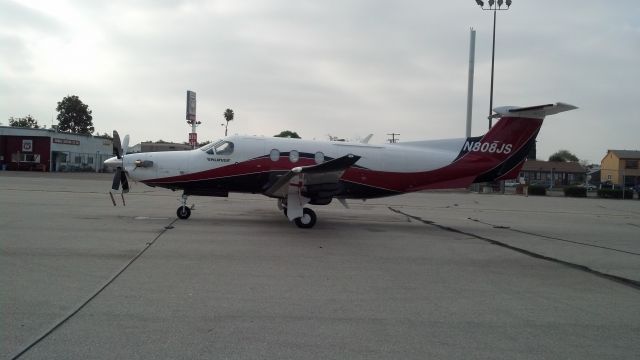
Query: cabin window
(319, 158)
(294, 156)
(274, 155)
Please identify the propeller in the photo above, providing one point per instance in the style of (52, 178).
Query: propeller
(120, 176)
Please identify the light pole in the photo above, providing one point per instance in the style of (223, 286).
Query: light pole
(493, 6)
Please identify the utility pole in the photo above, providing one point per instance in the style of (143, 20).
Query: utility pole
(493, 7)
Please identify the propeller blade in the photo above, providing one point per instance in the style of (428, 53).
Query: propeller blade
(124, 181)
(117, 146)
(117, 179)
(125, 145)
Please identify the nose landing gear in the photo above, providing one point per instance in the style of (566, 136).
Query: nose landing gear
(184, 211)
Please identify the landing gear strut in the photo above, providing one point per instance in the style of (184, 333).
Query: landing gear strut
(183, 211)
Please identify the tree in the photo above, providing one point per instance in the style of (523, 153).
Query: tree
(106, 135)
(25, 122)
(228, 115)
(562, 156)
(288, 134)
(74, 116)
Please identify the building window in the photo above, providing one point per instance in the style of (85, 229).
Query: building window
(608, 177)
(30, 158)
(78, 159)
(90, 160)
(631, 164)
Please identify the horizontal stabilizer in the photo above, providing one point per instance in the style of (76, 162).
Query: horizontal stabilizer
(535, 112)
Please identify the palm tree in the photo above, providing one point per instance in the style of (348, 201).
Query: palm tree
(228, 115)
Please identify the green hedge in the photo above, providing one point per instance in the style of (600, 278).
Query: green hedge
(575, 191)
(615, 194)
(537, 190)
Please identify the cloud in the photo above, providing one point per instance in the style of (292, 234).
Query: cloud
(347, 68)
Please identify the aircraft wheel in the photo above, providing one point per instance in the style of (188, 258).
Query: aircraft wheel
(307, 220)
(183, 212)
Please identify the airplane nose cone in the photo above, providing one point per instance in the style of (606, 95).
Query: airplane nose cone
(113, 162)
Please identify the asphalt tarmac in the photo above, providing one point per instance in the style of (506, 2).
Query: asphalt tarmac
(428, 275)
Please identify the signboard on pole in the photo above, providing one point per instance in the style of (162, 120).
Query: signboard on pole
(193, 139)
(191, 105)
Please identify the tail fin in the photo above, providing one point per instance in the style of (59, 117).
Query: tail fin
(501, 152)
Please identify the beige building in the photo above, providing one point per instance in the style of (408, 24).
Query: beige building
(621, 164)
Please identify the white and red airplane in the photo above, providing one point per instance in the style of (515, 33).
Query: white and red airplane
(300, 172)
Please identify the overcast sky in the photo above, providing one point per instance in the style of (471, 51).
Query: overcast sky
(346, 68)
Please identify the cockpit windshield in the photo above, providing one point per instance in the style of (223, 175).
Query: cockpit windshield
(220, 147)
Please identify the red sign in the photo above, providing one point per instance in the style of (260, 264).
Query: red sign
(193, 139)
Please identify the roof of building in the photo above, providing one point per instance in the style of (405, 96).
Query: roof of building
(538, 165)
(626, 154)
(42, 131)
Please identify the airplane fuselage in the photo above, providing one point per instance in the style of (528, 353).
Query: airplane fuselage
(255, 162)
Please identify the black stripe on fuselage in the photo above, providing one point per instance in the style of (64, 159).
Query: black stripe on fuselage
(508, 164)
(258, 182)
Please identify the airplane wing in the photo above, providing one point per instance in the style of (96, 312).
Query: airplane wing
(328, 172)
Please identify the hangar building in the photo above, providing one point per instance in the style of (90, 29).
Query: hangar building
(50, 150)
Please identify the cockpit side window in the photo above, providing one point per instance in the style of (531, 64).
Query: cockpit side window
(208, 147)
(224, 148)
(219, 147)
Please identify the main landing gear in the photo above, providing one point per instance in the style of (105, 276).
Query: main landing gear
(306, 221)
(184, 211)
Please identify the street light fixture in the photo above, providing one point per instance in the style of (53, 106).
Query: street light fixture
(493, 7)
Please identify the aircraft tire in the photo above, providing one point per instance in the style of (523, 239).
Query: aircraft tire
(183, 212)
(307, 220)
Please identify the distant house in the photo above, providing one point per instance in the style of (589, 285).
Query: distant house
(619, 164)
(549, 172)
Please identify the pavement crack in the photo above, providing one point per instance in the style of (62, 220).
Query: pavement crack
(619, 279)
(553, 237)
(94, 295)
